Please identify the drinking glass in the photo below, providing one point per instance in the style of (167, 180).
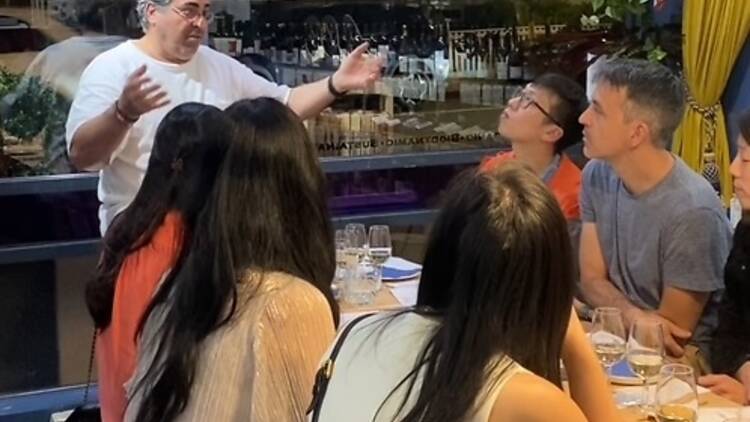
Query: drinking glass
(362, 283)
(342, 270)
(607, 336)
(676, 394)
(379, 248)
(357, 239)
(645, 354)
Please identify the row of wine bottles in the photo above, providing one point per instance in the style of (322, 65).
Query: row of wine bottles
(491, 54)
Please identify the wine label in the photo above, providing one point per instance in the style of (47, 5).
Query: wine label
(516, 72)
(403, 64)
(501, 68)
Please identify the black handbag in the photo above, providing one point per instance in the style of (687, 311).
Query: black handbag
(323, 376)
(87, 412)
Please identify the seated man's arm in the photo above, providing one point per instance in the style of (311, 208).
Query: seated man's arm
(682, 307)
(597, 289)
(694, 253)
(679, 312)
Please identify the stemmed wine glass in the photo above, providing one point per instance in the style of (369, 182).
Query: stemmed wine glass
(607, 336)
(645, 354)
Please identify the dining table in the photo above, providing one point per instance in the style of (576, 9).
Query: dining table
(402, 295)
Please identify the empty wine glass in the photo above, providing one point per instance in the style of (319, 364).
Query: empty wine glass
(607, 336)
(676, 394)
(342, 269)
(645, 353)
(379, 248)
(362, 283)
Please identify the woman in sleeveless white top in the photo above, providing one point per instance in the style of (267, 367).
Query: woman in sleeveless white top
(377, 355)
(493, 320)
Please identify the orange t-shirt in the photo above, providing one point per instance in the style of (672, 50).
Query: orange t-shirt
(565, 184)
(139, 277)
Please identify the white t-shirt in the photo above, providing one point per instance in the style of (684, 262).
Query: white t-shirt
(209, 77)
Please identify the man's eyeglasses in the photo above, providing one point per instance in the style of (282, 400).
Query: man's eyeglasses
(525, 100)
(193, 15)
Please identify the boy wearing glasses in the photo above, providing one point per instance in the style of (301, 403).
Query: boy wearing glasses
(125, 92)
(541, 121)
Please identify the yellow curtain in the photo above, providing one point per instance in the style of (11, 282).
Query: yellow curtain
(714, 32)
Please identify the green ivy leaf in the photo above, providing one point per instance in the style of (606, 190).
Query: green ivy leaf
(657, 54)
(597, 4)
(613, 13)
(636, 9)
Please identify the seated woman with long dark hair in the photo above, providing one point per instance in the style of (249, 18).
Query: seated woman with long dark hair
(493, 319)
(235, 333)
(147, 239)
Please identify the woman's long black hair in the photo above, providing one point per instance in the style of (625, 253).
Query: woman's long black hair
(188, 149)
(267, 212)
(498, 273)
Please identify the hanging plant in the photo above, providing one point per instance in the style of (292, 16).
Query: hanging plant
(630, 23)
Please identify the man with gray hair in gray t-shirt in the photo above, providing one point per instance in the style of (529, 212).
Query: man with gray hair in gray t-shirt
(655, 237)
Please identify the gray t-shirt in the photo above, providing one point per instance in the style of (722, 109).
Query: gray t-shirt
(675, 235)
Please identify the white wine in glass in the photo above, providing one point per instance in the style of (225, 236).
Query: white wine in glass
(609, 353)
(379, 255)
(607, 336)
(676, 394)
(645, 363)
(676, 413)
(380, 247)
(645, 353)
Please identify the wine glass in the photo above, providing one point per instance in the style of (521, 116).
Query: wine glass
(361, 285)
(357, 239)
(645, 353)
(607, 336)
(379, 248)
(676, 394)
(340, 276)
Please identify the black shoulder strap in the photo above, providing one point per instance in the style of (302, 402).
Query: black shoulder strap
(326, 371)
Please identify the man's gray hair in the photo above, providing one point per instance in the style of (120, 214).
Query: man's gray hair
(141, 7)
(655, 93)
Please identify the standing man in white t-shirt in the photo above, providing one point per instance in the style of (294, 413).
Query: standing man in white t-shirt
(125, 92)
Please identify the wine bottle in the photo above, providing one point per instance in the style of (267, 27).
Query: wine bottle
(515, 60)
(405, 50)
(501, 64)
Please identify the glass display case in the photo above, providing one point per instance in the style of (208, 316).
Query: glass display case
(448, 68)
